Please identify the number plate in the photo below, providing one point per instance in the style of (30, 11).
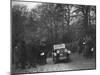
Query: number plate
(62, 57)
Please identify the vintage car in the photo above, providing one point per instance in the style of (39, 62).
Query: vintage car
(60, 53)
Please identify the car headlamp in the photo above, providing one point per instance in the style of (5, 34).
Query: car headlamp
(58, 51)
(69, 52)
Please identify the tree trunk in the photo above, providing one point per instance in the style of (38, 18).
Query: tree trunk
(86, 19)
(68, 17)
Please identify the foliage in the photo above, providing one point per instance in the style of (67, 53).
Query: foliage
(50, 23)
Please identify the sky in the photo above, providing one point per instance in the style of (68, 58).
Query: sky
(28, 4)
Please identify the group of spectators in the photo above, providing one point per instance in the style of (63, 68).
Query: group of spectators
(87, 46)
(28, 55)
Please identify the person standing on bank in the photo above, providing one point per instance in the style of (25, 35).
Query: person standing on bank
(23, 54)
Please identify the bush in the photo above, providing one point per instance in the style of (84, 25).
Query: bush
(73, 46)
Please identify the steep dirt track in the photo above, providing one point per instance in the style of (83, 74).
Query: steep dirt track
(77, 63)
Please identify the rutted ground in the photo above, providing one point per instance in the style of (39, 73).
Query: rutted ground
(77, 62)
